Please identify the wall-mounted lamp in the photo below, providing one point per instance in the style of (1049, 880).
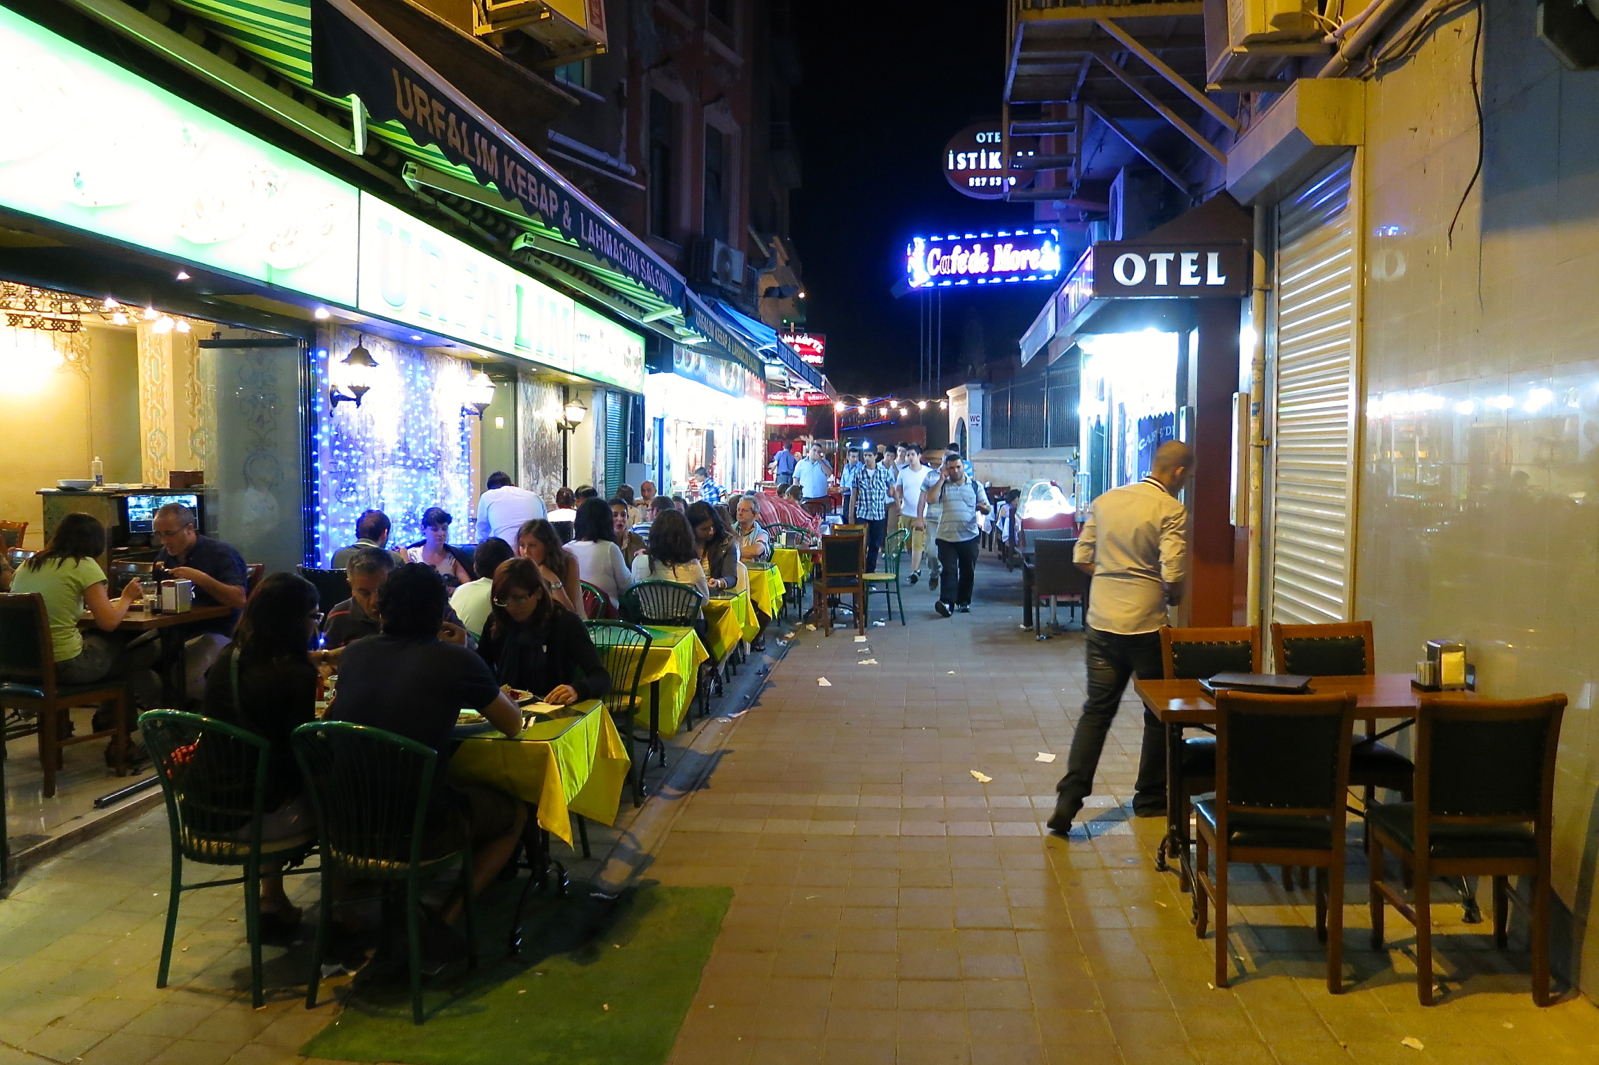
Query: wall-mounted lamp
(479, 394)
(355, 379)
(572, 415)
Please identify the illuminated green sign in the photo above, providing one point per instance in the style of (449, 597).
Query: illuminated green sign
(89, 145)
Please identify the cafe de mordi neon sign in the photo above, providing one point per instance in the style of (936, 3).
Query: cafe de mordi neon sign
(1002, 257)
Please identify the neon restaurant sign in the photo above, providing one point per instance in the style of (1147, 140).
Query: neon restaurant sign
(983, 258)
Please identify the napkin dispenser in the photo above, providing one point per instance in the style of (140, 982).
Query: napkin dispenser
(1446, 664)
(177, 597)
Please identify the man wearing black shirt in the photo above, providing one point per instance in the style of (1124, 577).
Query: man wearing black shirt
(407, 681)
(219, 577)
(357, 616)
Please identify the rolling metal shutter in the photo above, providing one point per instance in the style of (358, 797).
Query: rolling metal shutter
(1314, 401)
(615, 442)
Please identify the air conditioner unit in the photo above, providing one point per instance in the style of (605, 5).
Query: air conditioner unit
(727, 267)
(1258, 21)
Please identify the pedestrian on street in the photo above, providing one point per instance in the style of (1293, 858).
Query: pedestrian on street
(783, 464)
(911, 481)
(1135, 545)
(846, 483)
(812, 474)
(873, 486)
(957, 534)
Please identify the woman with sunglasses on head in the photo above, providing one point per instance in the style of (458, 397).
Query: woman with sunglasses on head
(717, 551)
(533, 643)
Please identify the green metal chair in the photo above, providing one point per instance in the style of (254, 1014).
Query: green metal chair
(887, 580)
(372, 790)
(214, 778)
(662, 603)
(623, 648)
(596, 604)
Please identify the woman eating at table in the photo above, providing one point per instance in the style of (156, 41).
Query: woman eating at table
(539, 543)
(594, 545)
(534, 644)
(265, 682)
(716, 550)
(69, 579)
(672, 554)
(435, 549)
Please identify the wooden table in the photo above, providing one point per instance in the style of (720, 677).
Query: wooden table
(1182, 704)
(168, 629)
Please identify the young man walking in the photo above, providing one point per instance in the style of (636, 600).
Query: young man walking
(846, 483)
(873, 486)
(957, 534)
(911, 482)
(812, 474)
(1135, 545)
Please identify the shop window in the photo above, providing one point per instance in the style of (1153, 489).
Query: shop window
(716, 167)
(662, 156)
(574, 74)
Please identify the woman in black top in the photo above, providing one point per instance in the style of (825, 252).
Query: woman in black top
(718, 553)
(265, 682)
(534, 644)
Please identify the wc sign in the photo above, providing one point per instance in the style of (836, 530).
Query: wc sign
(1194, 271)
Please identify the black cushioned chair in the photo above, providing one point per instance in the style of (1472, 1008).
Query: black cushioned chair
(1197, 654)
(1485, 775)
(1056, 576)
(1282, 767)
(841, 573)
(332, 586)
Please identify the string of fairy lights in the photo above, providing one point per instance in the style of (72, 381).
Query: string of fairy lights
(880, 410)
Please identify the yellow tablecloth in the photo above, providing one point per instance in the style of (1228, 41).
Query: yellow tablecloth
(766, 589)
(793, 565)
(724, 623)
(568, 765)
(674, 664)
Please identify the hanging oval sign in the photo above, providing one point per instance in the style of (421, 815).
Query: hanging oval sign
(974, 163)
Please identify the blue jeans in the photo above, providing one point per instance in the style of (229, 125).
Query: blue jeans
(1113, 660)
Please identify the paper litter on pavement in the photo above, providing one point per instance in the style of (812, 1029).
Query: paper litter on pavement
(867, 662)
(878, 624)
(1044, 756)
(1413, 1043)
(860, 639)
(823, 682)
(982, 778)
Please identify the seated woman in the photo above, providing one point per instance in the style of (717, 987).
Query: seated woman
(565, 506)
(534, 644)
(538, 542)
(629, 541)
(265, 682)
(68, 577)
(715, 548)
(436, 550)
(599, 558)
(672, 555)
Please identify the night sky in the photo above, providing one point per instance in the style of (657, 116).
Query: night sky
(885, 86)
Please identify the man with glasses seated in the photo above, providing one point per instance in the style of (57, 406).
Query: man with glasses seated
(219, 577)
(357, 616)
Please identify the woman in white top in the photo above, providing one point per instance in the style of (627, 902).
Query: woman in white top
(672, 554)
(565, 506)
(599, 559)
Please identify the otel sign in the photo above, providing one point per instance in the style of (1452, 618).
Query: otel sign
(1194, 271)
(974, 163)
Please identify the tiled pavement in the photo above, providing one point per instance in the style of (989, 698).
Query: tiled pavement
(889, 907)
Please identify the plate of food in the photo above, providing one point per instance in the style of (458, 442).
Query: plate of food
(469, 717)
(517, 695)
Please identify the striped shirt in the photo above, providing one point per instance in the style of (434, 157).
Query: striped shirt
(958, 521)
(1137, 539)
(871, 493)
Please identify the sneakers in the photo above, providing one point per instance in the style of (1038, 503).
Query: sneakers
(1059, 824)
(916, 575)
(942, 608)
(963, 608)
(932, 582)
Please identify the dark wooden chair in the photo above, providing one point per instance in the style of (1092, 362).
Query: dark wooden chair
(842, 572)
(1485, 778)
(1055, 577)
(11, 534)
(1282, 767)
(28, 683)
(253, 573)
(1196, 654)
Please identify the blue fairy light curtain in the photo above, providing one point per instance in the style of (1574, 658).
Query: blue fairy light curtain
(405, 448)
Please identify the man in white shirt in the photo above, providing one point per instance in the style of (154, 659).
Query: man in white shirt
(503, 509)
(1135, 545)
(910, 481)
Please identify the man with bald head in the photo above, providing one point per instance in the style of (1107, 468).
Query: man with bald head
(1135, 545)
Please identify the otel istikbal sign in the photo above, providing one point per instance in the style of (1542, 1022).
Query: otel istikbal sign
(1190, 271)
(974, 163)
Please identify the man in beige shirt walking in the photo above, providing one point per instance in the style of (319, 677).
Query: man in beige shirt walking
(1135, 546)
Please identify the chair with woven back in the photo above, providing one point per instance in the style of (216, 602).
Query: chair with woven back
(372, 791)
(1484, 801)
(623, 647)
(596, 604)
(214, 778)
(28, 684)
(1198, 654)
(669, 603)
(842, 572)
(1282, 767)
(887, 580)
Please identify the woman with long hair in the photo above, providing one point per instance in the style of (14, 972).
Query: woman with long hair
(599, 557)
(533, 643)
(539, 543)
(672, 554)
(437, 551)
(265, 682)
(68, 576)
(714, 545)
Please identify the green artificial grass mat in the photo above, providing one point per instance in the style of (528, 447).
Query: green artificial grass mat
(641, 954)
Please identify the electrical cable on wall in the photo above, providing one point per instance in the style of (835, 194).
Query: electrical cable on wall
(1476, 99)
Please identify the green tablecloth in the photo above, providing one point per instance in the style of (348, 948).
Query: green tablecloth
(766, 589)
(725, 623)
(567, 765)
(674, 664)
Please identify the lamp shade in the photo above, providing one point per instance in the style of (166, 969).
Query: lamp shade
(358, 371)
(575, 412)
(479, 391)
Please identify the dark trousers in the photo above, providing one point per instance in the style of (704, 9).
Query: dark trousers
(1113, 659)
(957, 556)
(874, 540)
